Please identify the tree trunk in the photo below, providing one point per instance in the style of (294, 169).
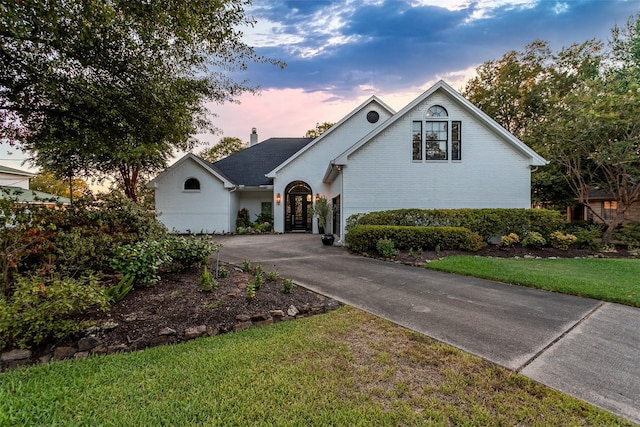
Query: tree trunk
(130, 181)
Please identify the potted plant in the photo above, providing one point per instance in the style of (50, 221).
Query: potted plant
(323, 210)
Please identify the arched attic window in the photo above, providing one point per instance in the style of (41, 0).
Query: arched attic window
(192, 184)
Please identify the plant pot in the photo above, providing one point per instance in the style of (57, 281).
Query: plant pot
(327, 239)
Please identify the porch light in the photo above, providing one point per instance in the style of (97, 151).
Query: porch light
(278, 198)
(308, 197)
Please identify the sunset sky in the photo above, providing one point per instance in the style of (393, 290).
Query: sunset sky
(341, 52)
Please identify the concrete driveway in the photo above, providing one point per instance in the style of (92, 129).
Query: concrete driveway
(583, 347)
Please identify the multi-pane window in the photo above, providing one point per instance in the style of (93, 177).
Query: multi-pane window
(456, 141)
(416, 135)
(192, 184)
(609, 209)
(436, 137)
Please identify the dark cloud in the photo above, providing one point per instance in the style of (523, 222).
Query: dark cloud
(394, 45)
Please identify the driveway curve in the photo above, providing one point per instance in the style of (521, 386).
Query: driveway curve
(563, 341)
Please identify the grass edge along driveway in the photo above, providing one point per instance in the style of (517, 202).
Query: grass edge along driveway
(346, 367)
(607, 279)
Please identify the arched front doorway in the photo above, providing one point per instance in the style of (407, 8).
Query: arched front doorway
(298, 202)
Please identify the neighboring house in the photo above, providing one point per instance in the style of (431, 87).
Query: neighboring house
(11, 177)
(14, 183)
(440, 151)
(606, 204)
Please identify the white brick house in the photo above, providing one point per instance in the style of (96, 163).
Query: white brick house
(440, 151)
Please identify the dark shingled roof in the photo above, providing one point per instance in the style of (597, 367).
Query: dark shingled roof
(249, 166)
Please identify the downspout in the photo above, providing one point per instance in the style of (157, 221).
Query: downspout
(342, 200)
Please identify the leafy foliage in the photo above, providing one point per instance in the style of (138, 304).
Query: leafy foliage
(509, 240)
(42, 308)
(534, 240)
(119, 291)
(207, 282)
(113, 87)
(318, 130)
(386, 248)
(141, 261)
(562, 241)
(486, 222)
(287, 286)
(187, 252)
(224, 147)
(364, 238)
(323, 210)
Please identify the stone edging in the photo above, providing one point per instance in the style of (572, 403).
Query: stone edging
(90, 345)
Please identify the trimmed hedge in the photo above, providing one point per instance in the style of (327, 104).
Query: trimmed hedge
(486, 222)
(363, 238)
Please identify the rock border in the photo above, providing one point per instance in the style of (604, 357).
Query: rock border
(90, 345)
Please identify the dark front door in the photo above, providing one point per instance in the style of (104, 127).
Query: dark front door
(299, 212)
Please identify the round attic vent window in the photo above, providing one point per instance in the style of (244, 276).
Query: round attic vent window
(373, 117)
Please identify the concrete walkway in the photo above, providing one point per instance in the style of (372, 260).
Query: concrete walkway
(583, 347)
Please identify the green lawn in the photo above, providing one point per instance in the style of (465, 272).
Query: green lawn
(344, 368)
(615, 280)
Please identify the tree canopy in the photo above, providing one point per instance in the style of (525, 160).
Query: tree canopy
(113, 87)
(48, 183)
(579, 108)
(318, 130)
(223, 148)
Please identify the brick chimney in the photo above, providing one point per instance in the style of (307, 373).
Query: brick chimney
(253, 138)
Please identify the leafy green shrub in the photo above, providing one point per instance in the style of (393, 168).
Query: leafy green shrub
(82, 237)
(187, 252)
(562, 241)
(630, 234)
(588, 237)
(243, 219)
(141, 261)
(509, 240)
(257, 281)
(251, 289)
(386, 248)
(364, 238)
(119, 291)
(272, 275)
(207, 282)
(246, 266)
(223, 272)
(41, 309)
(534, 240)
(287, 286)
(486, 222)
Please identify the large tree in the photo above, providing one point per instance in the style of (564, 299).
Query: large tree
(585, 120)
(113, 87)
(223, 148)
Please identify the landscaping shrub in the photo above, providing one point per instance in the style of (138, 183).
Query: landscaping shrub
(486, 222)
(630, 234)
(82, 237)
(141, 261)
(363, 238)
(588, 237)
(386, 248)
(509, 240)
(243, 219)
(43, 308)
(534, 240)
(187, 252)
(562, 241)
